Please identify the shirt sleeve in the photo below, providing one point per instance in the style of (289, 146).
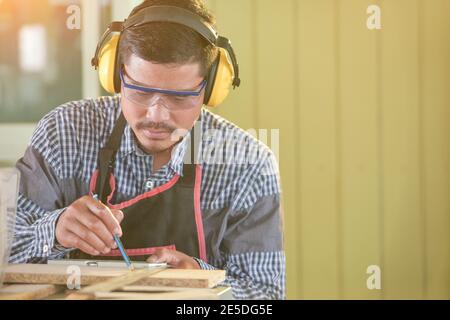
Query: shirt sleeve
(34, 236)
(251, 248)
(40, 201)
(254, 276)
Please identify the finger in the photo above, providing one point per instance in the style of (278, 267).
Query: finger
(89, 237)
(94, 205)
(94, 224)
(76, 242)
(118, 214)
(164, 256)
(157, 257)
(153, 259)
(105, 214)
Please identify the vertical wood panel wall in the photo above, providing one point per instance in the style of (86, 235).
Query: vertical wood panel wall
(364, 119)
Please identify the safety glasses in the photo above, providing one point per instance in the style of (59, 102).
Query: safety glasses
(173, 99)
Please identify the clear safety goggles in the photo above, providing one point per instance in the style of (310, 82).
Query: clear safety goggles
(174, 100)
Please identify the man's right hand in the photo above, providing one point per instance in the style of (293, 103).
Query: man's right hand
(89, 225)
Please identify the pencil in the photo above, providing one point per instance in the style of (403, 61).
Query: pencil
(120, 245)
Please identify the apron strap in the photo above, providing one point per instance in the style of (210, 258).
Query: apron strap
(107, 157)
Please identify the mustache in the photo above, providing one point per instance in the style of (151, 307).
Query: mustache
(155, 126)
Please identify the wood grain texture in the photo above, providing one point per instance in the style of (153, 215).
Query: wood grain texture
(112, 284)
(176, 295)
(127, 278)
(28, 291)
(55, 274)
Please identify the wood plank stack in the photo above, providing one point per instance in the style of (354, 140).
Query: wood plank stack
(111, 283)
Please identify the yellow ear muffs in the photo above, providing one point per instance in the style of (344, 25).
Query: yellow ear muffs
(107, 60)
(223, 74)
(220, 80)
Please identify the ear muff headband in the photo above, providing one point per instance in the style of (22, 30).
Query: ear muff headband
(223, 74)
(174, 15)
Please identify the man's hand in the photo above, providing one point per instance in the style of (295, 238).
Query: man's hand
(89, 225)
(175, 259)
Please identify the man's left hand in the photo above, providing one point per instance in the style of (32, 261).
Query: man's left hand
(175, 259)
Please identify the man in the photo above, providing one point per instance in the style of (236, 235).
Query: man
(211, 205)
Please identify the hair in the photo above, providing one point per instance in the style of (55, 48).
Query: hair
(170, 43)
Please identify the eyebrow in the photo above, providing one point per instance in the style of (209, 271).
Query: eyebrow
(137, 83)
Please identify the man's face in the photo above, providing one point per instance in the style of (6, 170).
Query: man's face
(157, 125)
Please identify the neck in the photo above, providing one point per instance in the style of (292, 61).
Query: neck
(160, 159)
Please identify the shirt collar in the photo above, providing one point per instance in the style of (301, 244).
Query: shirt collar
(128, 144)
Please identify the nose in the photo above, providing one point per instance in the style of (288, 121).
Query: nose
(157, 111)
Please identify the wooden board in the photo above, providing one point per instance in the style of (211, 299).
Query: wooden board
(192, 294)
(112, 284)
(28, 291)
(55, 274)
(158, 293)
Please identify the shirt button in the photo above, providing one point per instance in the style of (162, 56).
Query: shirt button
(45, 248)
(149, 185)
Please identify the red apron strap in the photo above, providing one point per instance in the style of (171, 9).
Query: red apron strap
(138, 252)
(198, 214)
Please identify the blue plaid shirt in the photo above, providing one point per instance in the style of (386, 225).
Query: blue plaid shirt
(240, 191)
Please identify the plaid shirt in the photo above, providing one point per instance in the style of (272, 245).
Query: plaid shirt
(240, 199)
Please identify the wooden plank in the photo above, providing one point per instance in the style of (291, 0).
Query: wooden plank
(185, 278)
(156, 293)
(28, 291)
(435, 53)
(317, 140)
(56, 274)
(127, 278)
(360, 168)
(135, 288)
(403, 269)
(220, 292)
(177, 295)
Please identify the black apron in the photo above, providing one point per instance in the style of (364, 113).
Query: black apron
(168, 216)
